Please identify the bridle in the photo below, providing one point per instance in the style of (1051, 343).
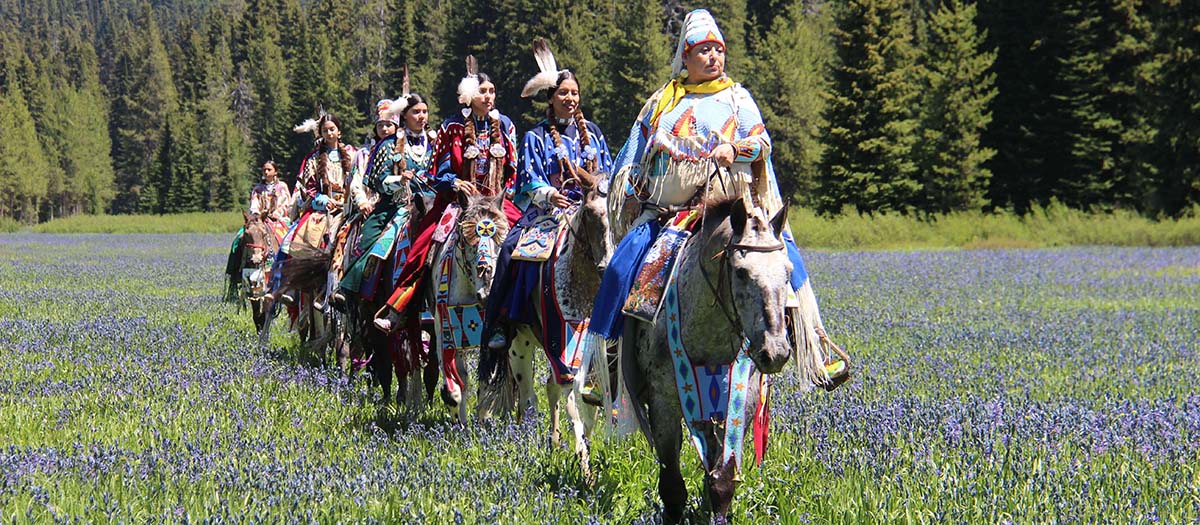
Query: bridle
(730, 311)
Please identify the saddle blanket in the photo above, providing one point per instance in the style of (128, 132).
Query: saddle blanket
(645, 297)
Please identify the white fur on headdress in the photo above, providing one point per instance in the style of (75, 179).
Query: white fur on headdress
(468, 88)
(310, 125)
(548, 71)
(400, 105)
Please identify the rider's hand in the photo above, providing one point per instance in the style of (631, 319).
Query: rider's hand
(724, 155)
(560, 200)
(366, 207)
(465, 187)
(407, 175)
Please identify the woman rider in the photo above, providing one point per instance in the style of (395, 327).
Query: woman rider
(396, 173)
(270, 198)
(323, 176)
(562, 142)
(476, 154)
(699, 118)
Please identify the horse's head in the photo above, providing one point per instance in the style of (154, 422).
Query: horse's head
(759, 272)
(258, 238)
(591, 224)
(483, 227)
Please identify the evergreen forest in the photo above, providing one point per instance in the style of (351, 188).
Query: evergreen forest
(918, 107)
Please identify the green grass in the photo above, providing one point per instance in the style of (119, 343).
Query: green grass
(214, 222)
(1027, 386)
(1051, 226)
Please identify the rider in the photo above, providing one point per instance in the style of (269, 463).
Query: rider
(700, 118)
(323, 176)
(271, 198)
(396, 176)
(476, 154)
(551, 152)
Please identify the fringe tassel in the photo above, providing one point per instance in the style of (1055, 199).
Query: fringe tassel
(806, 321)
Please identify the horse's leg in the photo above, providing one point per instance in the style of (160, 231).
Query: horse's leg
(381, 363)
(668, 438)
(553, 392)
(579, 430)
(463, 390)
(720, 487)
(521, 353)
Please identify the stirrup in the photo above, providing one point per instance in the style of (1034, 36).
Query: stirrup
(591, 395)
(838, 370)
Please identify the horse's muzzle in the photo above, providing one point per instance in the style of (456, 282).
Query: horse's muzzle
(773, 354)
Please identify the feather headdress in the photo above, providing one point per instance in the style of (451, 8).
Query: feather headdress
(396, 109)
(548, 71)
(310, 125)
(468, 87)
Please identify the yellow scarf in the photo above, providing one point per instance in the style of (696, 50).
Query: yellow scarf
(676, 90)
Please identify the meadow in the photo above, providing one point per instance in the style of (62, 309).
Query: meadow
(992, 386)
(1054, 225)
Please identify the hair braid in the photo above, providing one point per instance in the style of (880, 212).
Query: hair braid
(585, 140)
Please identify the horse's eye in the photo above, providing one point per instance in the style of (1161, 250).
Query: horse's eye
(742, 274)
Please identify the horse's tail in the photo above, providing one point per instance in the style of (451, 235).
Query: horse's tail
(497, 390)
(493, 365)
(306, 268)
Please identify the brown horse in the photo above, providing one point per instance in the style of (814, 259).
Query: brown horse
(259, 243)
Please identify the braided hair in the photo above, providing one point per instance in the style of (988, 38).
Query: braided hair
(585, 137)
(402, 140)
(323, 156)
(495, 173)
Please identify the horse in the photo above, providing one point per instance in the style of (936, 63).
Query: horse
(720, 329)
(257, 251)
(404, 352)
(461, 276)
(573, 272)
(322, 330)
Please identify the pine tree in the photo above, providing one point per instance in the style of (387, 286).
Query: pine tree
(638, 62)
(869, 163)
(1106, 45)
(1175, 101)
(1028, 130)
(144, 94)
(422, 41)
(226, 176)
(958, 87)
(790, 75)
(25, 172)
(272, 99)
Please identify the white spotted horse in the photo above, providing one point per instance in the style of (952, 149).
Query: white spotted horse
(569, 280)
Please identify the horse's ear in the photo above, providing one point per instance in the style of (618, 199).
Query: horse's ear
(738, 216)
(498, 203)
(779, 221)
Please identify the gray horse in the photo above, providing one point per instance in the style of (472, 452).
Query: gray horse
(731, 284)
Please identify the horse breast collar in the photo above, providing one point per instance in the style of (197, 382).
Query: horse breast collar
(710, 393)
